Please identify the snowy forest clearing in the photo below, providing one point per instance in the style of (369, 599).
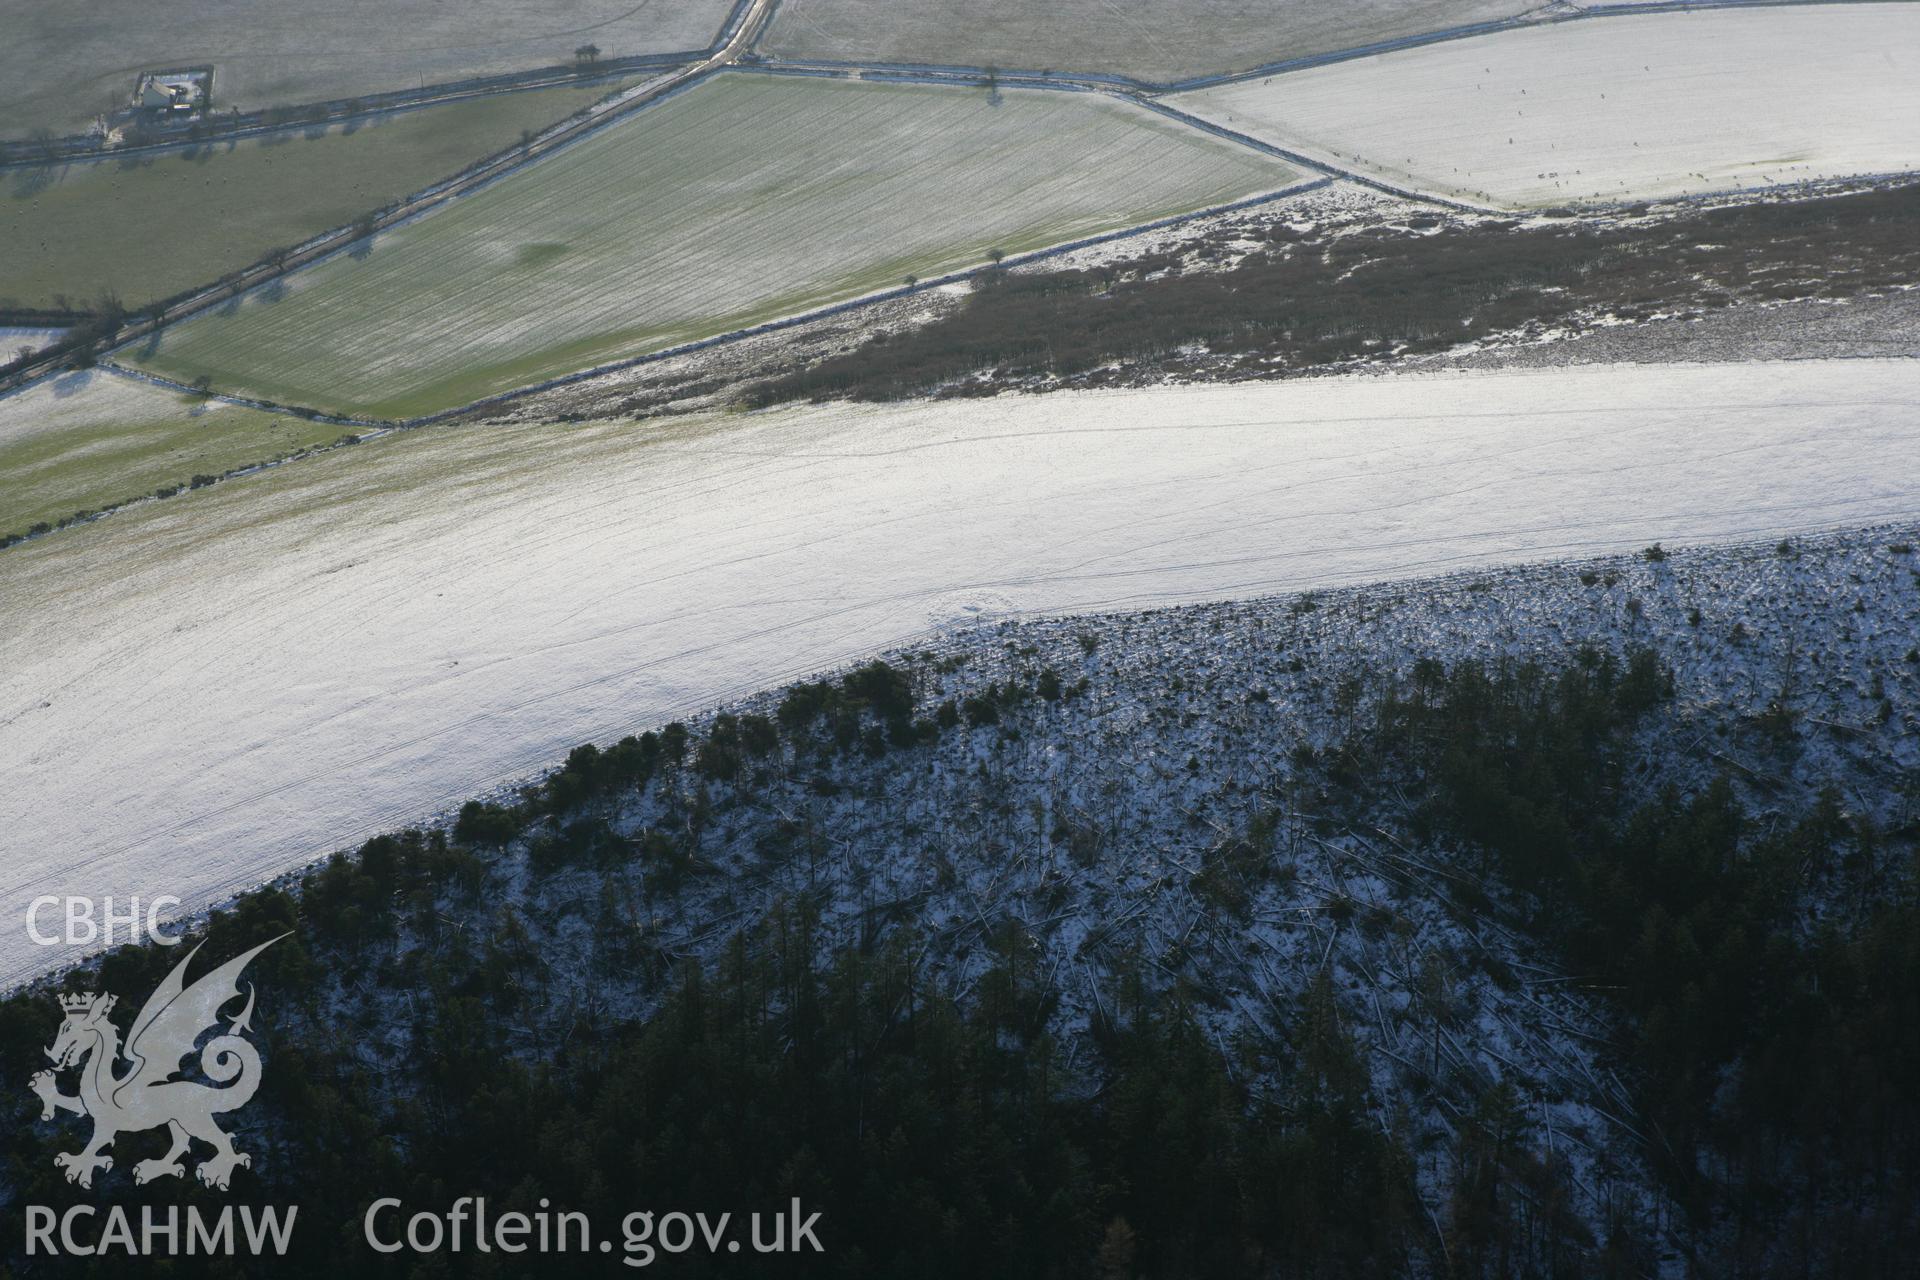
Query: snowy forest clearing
(275, 668)
(1625, 108)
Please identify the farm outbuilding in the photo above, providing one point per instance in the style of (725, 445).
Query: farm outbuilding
(172, 92)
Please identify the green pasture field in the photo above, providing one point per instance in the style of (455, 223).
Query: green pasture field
(745, 198)
(85, 441)
(147, 226)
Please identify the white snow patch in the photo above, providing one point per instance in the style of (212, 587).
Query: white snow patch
(1623, 108)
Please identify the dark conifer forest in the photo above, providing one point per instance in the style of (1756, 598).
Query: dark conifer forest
(956, 1133)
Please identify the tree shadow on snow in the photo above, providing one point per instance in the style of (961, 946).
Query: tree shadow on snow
(72, 384)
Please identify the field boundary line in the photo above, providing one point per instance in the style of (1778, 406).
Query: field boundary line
(1299, 160)
(306, 412)
(373, 109)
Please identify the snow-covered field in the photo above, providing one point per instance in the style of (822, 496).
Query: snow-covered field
(199, 693)
(746, 198)
(1619, 108)
(1155, 40)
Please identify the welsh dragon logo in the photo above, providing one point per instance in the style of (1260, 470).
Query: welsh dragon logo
(145, 1095)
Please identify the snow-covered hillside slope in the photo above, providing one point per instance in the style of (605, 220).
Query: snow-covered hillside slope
(201, 693)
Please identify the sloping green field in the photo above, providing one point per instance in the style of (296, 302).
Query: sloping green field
(84, 441)
(746, 198)
(148, 226)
